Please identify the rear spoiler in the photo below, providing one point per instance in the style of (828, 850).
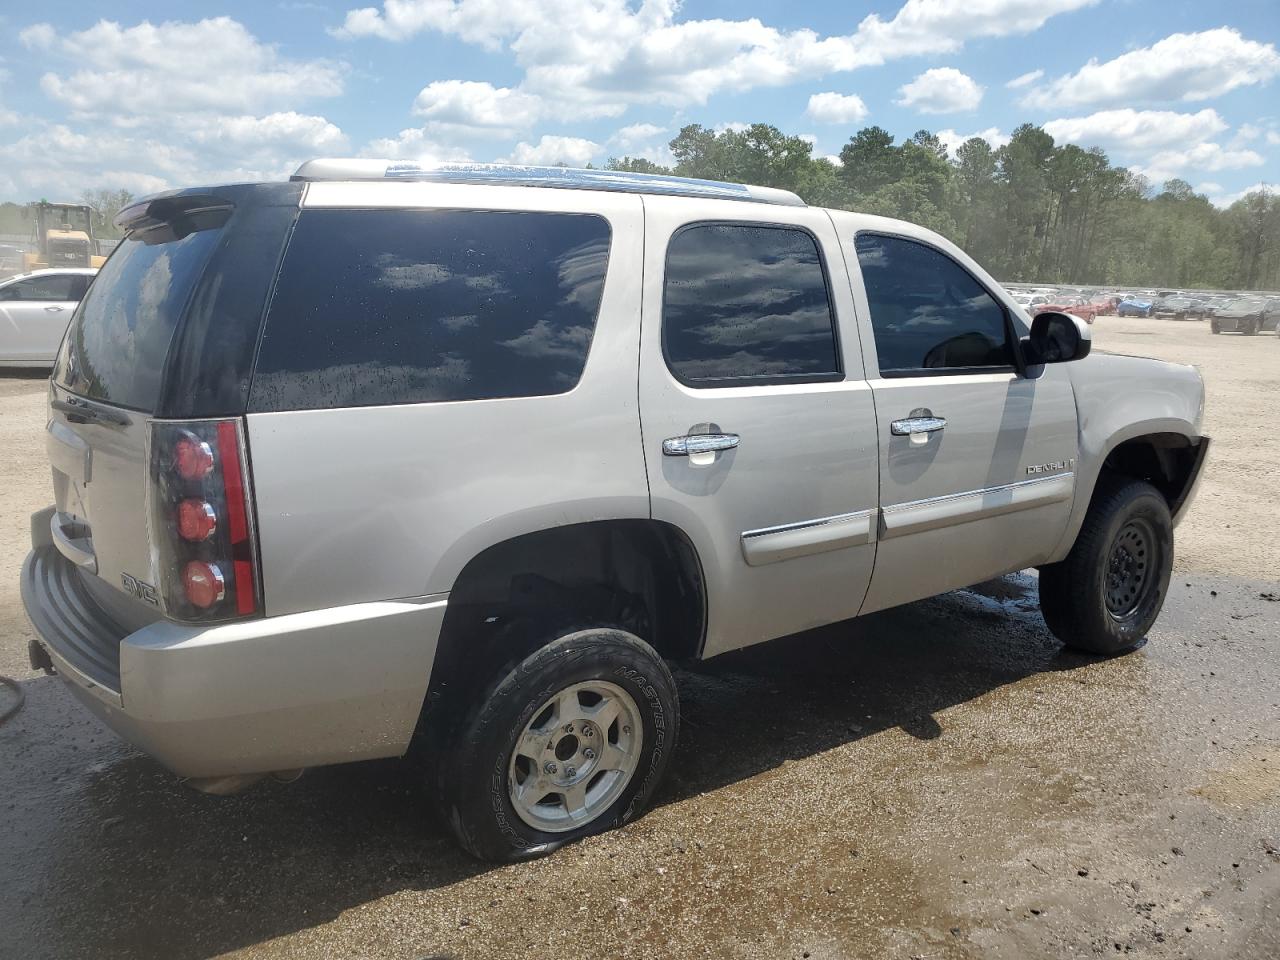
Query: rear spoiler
(179, 214)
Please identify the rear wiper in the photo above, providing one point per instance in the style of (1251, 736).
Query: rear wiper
(81, 411)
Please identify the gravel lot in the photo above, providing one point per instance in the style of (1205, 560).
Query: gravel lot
(937, 781)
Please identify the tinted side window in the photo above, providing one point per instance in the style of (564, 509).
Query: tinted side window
(927, 311)
(744, 302)
(118, 341)
(410, 306)
(54, 287)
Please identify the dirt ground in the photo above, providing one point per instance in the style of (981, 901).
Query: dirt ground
(939, 781)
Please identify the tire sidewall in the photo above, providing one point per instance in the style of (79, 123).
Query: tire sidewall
(480, 807)
(1121, 634)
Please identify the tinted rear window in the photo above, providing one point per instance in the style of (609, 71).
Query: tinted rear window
(747, 304)
(413, 306)
(118, 339)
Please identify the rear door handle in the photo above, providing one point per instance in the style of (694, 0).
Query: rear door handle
(694, 444)
(912, 425)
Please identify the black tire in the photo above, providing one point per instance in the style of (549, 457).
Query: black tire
(474, 777)
(1213, 325)
(1250, 328)
(1091, 600)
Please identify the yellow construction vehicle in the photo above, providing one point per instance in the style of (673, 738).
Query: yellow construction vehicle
(61, 236)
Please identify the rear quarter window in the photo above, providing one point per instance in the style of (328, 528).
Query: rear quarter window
(417, 306)
(118, 341)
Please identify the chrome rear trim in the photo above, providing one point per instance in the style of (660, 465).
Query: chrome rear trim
(773, 544)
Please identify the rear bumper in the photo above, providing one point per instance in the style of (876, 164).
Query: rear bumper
(256, 696)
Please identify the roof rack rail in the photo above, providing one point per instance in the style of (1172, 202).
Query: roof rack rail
(502, 174)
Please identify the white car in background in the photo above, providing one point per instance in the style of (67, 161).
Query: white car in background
(1029, 301)
(34, 311)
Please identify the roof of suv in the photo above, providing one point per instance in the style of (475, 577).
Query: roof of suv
(499, 174)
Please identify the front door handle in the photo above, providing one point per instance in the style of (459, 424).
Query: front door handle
(693, 444)
(53, 309)
(912, 425)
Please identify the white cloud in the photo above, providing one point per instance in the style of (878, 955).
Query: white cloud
(836, 108)
(1209, 157)
(941, 90)
(572, 151)
(645, 140)
(1273, 138)
(413, 144)
(38, 36)
(1227, 199)
(293, 130)
(1137, 129)
(1247, 131)
(636, 133)
(477, 107)
(599, 56)
(1209, 187)
(1183, 66)
(177, 67)
(953, 141)
(1024, 80)
(154, 106)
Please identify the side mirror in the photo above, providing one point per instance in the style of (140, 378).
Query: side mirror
(1056, 338)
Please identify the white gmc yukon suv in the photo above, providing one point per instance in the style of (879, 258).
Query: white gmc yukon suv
(466, 454)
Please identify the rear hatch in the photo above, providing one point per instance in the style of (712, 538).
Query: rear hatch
(166, 331)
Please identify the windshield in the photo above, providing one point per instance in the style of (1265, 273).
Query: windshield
(118, 339)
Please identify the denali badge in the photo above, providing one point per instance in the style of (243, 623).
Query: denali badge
(1052, 467)
(136, 588)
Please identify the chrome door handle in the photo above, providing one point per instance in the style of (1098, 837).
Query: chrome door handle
(696, 443)
(905, 428)
(53, 309)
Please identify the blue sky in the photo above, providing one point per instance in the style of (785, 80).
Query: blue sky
(147, 95)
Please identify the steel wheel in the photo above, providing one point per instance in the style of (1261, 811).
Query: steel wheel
(1130, 568)
(575, 757)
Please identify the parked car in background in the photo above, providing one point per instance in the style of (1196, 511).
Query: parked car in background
(34, 310)
(1178, 308)
(1135, 307)
(1246, 315)
(1029, 301)
(1076, 306)
(1105, 302)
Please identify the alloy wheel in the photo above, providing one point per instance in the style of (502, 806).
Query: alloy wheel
(575, 756)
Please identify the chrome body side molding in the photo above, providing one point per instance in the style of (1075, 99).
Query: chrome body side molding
(919, 515)
(772, 544)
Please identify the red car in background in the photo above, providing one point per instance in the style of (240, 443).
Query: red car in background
(1075, 305)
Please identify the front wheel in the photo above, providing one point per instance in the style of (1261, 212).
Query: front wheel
(571, 742)
(1250, 328)
(1107, 593)
(1213, 325)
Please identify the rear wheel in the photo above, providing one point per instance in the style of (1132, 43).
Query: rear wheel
(1249, 328)
(1213, 325)
(1107, 593)
(571, 742)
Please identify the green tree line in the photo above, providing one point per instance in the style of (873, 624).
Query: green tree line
(1031, 210)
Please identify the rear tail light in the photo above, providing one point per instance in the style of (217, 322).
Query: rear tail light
(202, 520)
(203, 584)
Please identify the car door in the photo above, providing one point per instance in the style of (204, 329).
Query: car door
(758, 424)
(34, 313)
(977, 454)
